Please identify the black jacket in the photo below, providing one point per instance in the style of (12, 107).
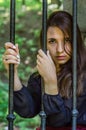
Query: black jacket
(27, 103)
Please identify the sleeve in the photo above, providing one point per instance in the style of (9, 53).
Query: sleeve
(81, 105)
(27, 103)
(58, 110)
(27, 100)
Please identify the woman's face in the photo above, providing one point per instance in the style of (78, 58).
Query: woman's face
(59, 46)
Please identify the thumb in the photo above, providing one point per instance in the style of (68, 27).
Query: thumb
(17, 49)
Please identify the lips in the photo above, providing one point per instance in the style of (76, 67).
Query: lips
(60, 57)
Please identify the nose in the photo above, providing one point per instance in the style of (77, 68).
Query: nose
(60, 47)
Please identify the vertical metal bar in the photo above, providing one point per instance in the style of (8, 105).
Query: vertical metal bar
(74, 112)
(44, 48)
(44, 26)
(11, 116)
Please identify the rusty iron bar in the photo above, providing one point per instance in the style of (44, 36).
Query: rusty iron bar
(75, 111)
(11, 116)
(44, 48)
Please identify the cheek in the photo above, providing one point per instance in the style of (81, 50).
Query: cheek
(51, 49)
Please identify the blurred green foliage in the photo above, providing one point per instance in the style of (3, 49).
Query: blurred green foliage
(28, 26)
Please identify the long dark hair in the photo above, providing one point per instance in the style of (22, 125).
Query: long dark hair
(64, 21)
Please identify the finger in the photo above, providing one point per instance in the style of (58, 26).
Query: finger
(10, 52)
(49, 56)
(38, 62)
(11, 62)
(39, 58)
(11, 49)
(17, 49)
(41, 53)
(10, 45)
(10, 57)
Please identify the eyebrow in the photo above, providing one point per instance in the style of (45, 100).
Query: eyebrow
(68, 38)
(51, 39)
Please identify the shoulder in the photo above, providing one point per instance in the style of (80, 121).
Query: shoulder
(34, 84)
(35, 76)
(34, 79)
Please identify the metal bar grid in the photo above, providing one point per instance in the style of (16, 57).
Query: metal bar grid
(11, 117)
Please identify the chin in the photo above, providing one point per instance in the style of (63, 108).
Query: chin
(61, 62)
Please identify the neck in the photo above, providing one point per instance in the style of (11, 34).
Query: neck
(58, 68)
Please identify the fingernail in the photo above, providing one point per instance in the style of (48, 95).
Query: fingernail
(18, 56)
(18, 62)
(48, 51)
(16, 44)
(14, 47)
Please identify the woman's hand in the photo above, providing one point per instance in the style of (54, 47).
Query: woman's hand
(47, 70)
(11, 55)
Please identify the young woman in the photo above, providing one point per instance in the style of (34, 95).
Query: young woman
(55, 67)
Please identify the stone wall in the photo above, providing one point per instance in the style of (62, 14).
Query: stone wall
(81, 14)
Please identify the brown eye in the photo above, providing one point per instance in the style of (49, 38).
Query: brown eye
(52, 41)
(67, 40)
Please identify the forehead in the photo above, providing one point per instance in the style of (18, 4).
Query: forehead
(55, 32)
